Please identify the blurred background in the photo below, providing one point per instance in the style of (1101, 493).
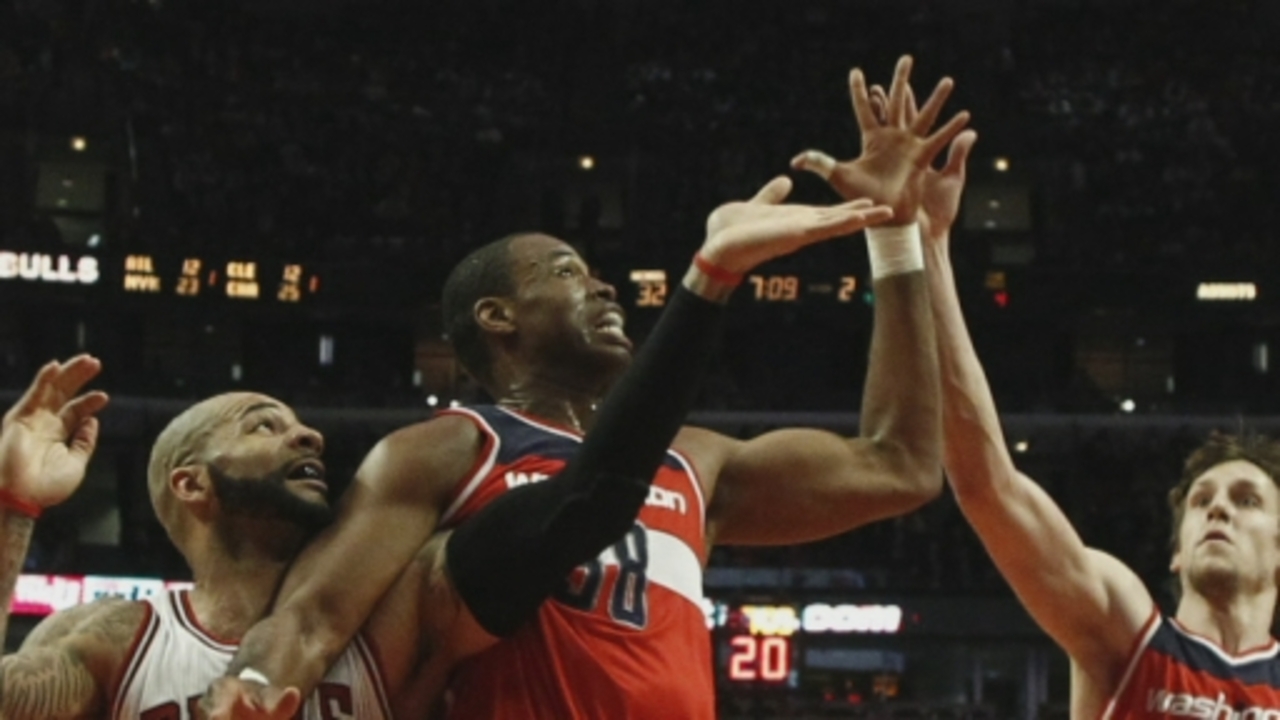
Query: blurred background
(229, 194)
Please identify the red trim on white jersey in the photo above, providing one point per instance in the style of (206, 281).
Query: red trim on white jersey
(181, 601)
(369, 658)
(142, 638)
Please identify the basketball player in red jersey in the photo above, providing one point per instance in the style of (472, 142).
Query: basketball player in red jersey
(1215, 658)
(238, 483)
(624, 636)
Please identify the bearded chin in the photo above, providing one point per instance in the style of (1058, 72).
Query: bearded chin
(268, 498)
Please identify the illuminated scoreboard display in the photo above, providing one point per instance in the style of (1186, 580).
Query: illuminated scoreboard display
(651, 288)
(238, 279)
(767, 644)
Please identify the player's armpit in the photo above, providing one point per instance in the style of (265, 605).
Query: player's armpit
(67, 664)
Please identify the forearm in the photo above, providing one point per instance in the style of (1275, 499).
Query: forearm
(15, 539)
(288, 650)
(901, 406)
(975, 453)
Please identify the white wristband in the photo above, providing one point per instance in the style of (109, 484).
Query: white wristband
(253, 676)
(895, 250)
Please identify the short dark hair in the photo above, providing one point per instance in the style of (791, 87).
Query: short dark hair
(485, 272)
(1220, 448)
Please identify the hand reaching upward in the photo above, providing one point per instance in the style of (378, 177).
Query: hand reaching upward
(897, 149)
(744, 234)
(48, 436)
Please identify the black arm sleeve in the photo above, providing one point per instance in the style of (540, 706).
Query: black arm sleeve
(514, 553)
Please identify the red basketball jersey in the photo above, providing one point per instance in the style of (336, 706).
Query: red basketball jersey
(626, 637)
(1176, 673)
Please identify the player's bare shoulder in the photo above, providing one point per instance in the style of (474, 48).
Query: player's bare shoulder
(101, 633)
(430, 456)
(108, 620)
(707, 450)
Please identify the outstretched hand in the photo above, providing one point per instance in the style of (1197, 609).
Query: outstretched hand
(48, 436)
(940, 204)
(742, 235)
(230, 698)
(897, 148)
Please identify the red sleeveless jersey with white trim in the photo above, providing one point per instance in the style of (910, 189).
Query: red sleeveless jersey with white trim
(173, 660)
(627, 636)
(1176, 673)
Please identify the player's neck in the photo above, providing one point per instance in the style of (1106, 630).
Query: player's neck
(565, 403)
(235, 585)
(1237, 625)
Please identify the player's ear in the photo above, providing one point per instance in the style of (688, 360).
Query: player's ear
(495, 315)
(191, 483)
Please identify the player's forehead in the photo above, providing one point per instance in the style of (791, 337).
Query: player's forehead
(534, 250)
(1235, 473)
(229, 408)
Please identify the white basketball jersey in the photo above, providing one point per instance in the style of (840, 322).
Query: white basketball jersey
(173, 660)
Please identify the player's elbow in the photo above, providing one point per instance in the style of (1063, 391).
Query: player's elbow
(915, 471)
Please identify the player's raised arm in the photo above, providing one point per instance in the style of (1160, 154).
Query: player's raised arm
(65, 668)
(796, 485)
(1090, 603)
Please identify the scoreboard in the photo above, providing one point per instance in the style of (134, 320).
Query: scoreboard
(761, 644)
(187, 276)
(237, 279)
(651, 288)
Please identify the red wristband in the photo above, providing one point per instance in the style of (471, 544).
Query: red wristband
(17, 504)
(715, 272)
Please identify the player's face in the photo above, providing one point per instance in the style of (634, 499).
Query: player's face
(263, 462)
(1229, 541)
(563, 313)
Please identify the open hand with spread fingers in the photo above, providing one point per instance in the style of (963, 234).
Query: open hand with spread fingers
(897, 145)
(48, 436)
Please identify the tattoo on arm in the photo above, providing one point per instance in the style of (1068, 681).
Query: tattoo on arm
(66, 665)
(48, 683)
(15, 536)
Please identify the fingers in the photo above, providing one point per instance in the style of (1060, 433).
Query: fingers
(847, 218)
(35, 395)
(958, 153)
(83, 407)
(286, 705)
(75, 372)
(932, 107)
(861, 101)
(81, 425)
(816, 162)
(880, 103)
(54, 384)
(943, 137)
(84, 439)
(898, 90)
(774, 192)
(912, 110)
